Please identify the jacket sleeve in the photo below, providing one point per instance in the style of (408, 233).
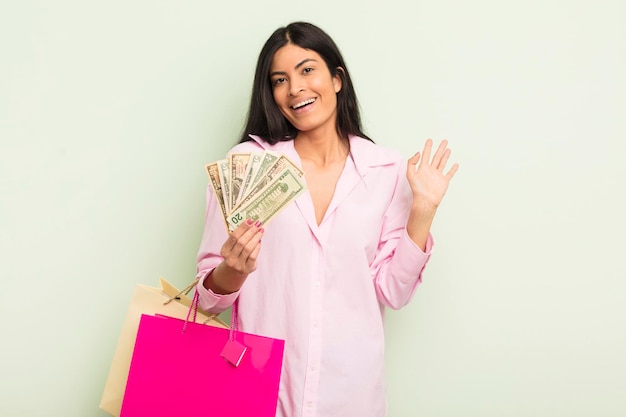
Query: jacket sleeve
(398, 265)
(213, 237)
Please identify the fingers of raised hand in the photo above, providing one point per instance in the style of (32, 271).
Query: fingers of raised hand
(452, 171)
(421, 166)
(413, 161)
(441, 155)
(440, 158)
(428, 146)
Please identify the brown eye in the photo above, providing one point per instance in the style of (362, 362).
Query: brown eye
(278, 81)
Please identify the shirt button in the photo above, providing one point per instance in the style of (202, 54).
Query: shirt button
(309, 404)
(316, 283)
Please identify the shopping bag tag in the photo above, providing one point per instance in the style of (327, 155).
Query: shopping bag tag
(233, 352)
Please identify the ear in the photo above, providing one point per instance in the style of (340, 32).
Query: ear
(338, 79)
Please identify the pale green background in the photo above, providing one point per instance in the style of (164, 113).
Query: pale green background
(108, 111)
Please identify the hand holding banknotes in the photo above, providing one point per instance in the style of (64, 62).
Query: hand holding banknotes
(240, 252)
(254, 186)
(251, 189)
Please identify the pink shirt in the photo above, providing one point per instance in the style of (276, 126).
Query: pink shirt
(323, 289)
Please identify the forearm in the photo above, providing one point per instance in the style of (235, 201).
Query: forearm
(224, 280)
(419, 224)
(398, 273)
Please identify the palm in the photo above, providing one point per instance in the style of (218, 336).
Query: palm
(428, 180)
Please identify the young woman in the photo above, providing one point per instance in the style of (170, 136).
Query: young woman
(322, 272)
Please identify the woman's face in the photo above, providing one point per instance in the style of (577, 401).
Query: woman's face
(304, 89)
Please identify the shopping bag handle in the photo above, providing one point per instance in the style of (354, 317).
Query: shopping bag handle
(181, 292)
(233, 351)
(234, 319)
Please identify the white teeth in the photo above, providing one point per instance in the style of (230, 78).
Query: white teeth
(303, 103)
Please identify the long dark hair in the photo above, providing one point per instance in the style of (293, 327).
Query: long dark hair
(264, 116)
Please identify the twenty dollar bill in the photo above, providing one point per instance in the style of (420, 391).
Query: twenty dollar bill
(269, 201)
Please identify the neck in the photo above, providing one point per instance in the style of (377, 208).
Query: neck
(322, 149)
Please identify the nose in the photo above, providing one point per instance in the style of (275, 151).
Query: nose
(295, 88)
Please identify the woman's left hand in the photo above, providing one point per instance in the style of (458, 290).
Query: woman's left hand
(427, 178)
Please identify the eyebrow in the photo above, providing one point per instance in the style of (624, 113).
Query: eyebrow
(298, 65)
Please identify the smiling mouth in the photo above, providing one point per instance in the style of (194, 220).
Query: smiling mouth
(303, 104)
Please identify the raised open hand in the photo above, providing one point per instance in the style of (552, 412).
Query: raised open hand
(427, 178)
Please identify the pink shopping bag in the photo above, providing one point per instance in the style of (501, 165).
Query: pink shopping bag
(182, 368)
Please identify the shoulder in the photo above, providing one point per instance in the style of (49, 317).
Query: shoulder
(249, 146)
(258, 144)
(368, 154)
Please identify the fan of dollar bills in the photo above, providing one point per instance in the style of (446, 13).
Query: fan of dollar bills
(254, 186)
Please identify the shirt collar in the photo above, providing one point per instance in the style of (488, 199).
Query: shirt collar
(363, 152)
